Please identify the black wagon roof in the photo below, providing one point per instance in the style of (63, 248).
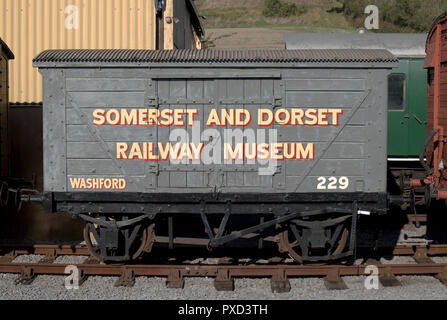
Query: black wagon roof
(6, 49)
(215, 56)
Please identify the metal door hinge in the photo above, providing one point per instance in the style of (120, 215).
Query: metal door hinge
(277, 102)
(154, 169)
(152, 102)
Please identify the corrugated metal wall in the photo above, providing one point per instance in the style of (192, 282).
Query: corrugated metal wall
(31, 26)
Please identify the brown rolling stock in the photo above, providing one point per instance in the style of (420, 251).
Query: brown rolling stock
(435, 146)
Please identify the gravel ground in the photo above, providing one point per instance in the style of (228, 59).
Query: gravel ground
(52, 288)
(70, 259)
(32, 258)
(102, 288)
(439, 259)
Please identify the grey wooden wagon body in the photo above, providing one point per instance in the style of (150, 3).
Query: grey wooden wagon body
(345, 175)
(354, 81)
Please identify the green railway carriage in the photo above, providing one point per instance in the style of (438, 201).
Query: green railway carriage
(407, 96)
(407, 112)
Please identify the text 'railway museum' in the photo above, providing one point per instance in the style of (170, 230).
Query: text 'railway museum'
(217, 118)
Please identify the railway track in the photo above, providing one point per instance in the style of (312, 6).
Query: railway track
(8, 252)
(223, 274)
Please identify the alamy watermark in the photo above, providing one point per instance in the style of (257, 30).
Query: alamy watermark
(372, 20)
(372, 278)
(72, 281)
(72, 18)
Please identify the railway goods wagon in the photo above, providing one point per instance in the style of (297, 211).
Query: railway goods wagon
(434, 148)
(211, 146)
(5, 56)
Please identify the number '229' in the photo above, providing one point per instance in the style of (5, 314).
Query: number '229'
(333, 183)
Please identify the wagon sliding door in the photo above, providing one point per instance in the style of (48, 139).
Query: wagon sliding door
(230, 91)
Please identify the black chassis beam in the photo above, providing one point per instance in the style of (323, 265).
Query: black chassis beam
(152, 204)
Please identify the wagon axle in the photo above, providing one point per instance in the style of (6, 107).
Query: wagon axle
(112, 242)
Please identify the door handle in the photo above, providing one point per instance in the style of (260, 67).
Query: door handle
(418, 120)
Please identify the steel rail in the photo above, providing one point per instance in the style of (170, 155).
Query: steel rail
(81, 250)
(44, 249)
(213, 270)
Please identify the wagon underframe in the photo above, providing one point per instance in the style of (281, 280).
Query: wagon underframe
(293, 215)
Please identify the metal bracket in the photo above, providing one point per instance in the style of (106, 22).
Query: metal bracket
(26, 277)
(421, 257)
(224, 281)
(279, 282)
(333, 281)
(388, 279)
(153, 102)
(49, 257)
(154, 169)
(277, 102)
(224, 222)
(205, 221)
(127, 278)
(175, 280)
(9, 257)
